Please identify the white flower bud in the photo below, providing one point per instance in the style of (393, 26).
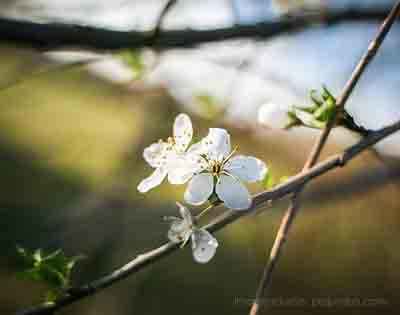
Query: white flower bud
(273, 115)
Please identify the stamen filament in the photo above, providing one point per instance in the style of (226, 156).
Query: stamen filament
(230, 155)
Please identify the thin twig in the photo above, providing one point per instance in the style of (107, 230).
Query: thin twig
(291, 212)
(168, 6)
(228, 217)
(58, 35)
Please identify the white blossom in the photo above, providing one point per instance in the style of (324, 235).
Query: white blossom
(216, 170)
(204, 245)
(167, 157)
(274, 116)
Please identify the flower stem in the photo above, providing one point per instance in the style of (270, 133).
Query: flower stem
(204, 211)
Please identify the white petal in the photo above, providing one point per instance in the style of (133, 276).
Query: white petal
(179, 176)
(233, 193)
(153, 180)
(273, 115)
(246, 168)
(183, 131)
(204, 246)
(197, 148)
(199, 189)
(155, 154)
(217, 143)
(185, 214)
(182, 168)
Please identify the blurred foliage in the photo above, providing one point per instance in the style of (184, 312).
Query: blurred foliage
(209, 106)
(133, 59)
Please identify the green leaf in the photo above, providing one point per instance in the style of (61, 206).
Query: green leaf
(326, 94)
(308, 119)
(326, 111)
(53, 269)
(322, 110)
(314, 98)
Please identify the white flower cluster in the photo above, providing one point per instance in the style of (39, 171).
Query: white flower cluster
(208, 165)
(211, 171)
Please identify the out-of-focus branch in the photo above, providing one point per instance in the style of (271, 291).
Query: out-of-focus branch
(291, 212)
(57, 35)
(291, 185)
(168, 6)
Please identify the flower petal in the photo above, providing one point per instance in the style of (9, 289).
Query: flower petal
(233, 193)
(179, 176)
(185, 214)
(204, 246)
(215, 145)
(246, 168)
(199, 189)
(183, 131)
(153, 180)
(182, 168)
(155, 154)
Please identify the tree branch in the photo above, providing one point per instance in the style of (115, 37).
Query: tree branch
(57, 35)
(168, 7)
(291, 212)
(228, 217)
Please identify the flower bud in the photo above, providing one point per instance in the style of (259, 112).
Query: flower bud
(274, 116)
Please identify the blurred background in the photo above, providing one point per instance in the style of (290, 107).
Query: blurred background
(72, 137)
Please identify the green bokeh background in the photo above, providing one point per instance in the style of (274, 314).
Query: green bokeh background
(70, 161)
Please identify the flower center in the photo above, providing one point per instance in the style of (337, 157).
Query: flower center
(171, 141)
(216, 167)
(170, 145)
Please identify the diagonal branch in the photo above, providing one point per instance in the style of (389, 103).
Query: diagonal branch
(291, 185)
(291, 212)
(57, 35)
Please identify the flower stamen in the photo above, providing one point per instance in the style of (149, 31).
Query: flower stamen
(230, 155)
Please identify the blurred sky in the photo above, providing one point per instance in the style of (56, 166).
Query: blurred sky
(281, 70)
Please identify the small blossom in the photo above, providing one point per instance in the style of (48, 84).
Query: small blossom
(204, 245)
(216, 170)
(166, 156)
(274, 116)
